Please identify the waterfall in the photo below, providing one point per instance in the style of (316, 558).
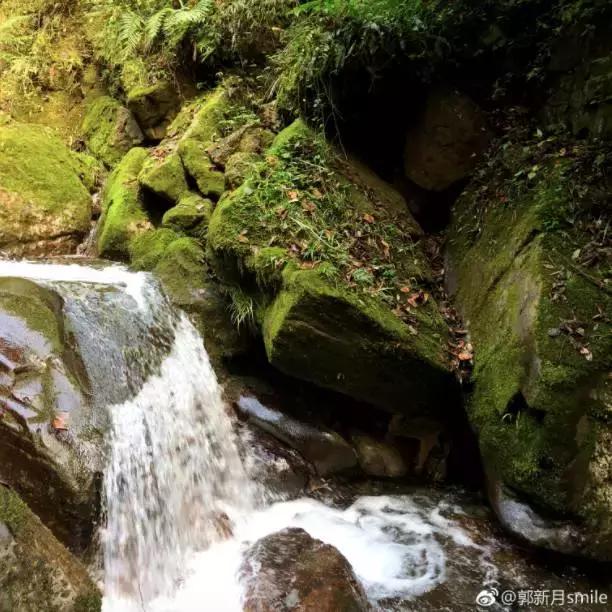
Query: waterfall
(174, 480)
(180, 508)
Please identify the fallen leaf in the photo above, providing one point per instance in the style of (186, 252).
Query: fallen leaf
(465, 356)
(368, 218)
(60, 422)
(293, 195)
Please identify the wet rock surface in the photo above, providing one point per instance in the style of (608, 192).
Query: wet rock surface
(290, 570)
(327, 451)
(43, 388)
(36, 571)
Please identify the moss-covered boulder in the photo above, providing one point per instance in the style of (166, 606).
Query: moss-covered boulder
(326, 258)
(527, 267)
(154, 107)
(36, 571)
(190, 216)
(110, 130)
(123, 214)
(238, 167)
(44, 206)
(163, 174)
(43, 393)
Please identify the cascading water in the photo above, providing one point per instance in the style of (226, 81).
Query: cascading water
(174, 480)
(181, 508)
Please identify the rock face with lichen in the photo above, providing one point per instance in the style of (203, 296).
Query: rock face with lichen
(36, 571)
(42, 393)
(44, 206)
(329, 258)
(527, 263)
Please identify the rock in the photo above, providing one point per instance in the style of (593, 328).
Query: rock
(247, 139)
(289, 570)
(318, 319)
(282, 471)
(163, 174)
(446, 141)
(379, 459)
(210, 182)
(36, 571)
(190, 215)
(543, 352)
(123, 214)
(524, 522)
(238, 167)
(44, 206)
(429, 453)
(154, 106)
(43, 392)
(110, 130)
(325, 449)
(581, 94)
(222, 338)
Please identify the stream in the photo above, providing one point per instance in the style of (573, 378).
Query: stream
(181, 506)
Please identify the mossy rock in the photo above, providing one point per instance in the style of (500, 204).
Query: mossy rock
(190, 215)
(44, 206)
(238, 167)
(329, 336)
(110, 130)
(44, 380)
(317, 242)
(178, 261)
(197, 163)
(123, 214)
(163, 174)
(543, 350)
(154, 107)
(36, 571)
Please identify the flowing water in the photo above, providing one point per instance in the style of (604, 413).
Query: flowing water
(180, 506)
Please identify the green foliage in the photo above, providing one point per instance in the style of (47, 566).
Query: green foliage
(241, 308)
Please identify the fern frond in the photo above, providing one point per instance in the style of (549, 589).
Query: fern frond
(131, 32)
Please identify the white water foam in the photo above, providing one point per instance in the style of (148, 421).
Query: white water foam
(394, 545)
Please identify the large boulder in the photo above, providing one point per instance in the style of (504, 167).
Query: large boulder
(110, 130)
(44, 206)
(446, 141)
(526, 259)
(329, 258)
(123, 214)
(290, 570)
(43, 394)
(36, 571)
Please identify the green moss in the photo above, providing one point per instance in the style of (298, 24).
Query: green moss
(327, 255)
(533, 381)
(123, 216)
(193, 153)
(89, 169)
(148, 249)
(153, 104)
(238, 167)
(182, 270)
(41, 195)
(190, 215)
(110, 130)
(163, 174)
(37, 572)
